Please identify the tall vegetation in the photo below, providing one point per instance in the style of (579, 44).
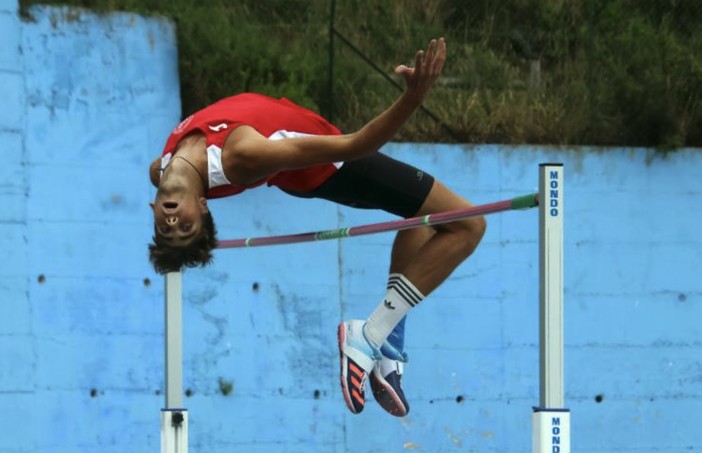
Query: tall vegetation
(597, 72)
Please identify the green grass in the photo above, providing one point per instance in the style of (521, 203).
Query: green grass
(612, 72)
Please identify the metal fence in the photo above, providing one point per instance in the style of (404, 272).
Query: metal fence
(621, 72)
(598, 72)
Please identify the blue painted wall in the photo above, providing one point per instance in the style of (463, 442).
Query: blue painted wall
(87, 102)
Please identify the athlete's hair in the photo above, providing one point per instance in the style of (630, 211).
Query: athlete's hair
(167, 258)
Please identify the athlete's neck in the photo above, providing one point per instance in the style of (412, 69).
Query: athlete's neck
(202, 178)
(181, 176)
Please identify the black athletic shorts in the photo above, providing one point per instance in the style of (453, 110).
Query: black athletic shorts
(376, 182)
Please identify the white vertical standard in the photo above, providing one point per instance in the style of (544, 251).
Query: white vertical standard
(174, 418)
(551, 420)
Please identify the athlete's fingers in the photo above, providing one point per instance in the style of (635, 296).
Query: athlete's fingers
(431, 52)
(419, 64)
(440, 57)
(404, 70)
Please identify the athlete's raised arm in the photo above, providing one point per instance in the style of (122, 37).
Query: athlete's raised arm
(419, 80)
(252, 156)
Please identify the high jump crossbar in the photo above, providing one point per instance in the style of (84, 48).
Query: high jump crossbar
(523, 202)
(550, 420)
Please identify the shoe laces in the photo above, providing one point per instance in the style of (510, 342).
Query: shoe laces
(399, 367)
(363, 382)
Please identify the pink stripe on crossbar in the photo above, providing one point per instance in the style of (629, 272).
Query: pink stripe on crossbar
(395, 225)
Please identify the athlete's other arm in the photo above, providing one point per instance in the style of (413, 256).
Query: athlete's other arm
(253, 157)
(155, 171)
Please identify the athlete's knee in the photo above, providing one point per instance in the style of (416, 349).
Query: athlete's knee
(467, 233)
(478, 227)
(473, 230)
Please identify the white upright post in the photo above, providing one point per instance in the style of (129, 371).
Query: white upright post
(174, 418)
(551, 420)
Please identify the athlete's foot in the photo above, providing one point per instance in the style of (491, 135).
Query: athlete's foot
(357, 360)
(386, 383)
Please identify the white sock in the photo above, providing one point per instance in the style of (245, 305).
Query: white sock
(401, 296)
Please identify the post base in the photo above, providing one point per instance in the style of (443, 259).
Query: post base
(550, 430)
(174, 431)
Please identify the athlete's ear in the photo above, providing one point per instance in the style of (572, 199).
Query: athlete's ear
(203, 205)
(152, 204)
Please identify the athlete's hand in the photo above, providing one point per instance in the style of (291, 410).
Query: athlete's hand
(427, 68)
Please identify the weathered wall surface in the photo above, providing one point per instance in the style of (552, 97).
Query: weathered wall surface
(87, 102)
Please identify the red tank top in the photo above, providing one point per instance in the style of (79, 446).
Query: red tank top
(268, 116)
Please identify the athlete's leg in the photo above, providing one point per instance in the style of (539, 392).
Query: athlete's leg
(423, 264)
(386, 377)
(422, 258)
(406, 245)
(428, 259)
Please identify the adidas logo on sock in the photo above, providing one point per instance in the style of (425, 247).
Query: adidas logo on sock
(388, 304)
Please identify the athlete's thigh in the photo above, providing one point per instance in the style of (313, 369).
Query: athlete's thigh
(440, 199)
(377, 182)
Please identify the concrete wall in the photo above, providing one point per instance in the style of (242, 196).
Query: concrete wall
(87, 103)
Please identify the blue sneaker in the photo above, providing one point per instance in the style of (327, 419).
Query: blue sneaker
(357, 360)
(386, 384)
(392, 352)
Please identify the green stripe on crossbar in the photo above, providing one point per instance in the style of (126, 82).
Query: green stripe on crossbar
(332, 234)
(525, 202)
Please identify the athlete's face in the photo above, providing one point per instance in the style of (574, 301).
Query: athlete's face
(179, 220)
